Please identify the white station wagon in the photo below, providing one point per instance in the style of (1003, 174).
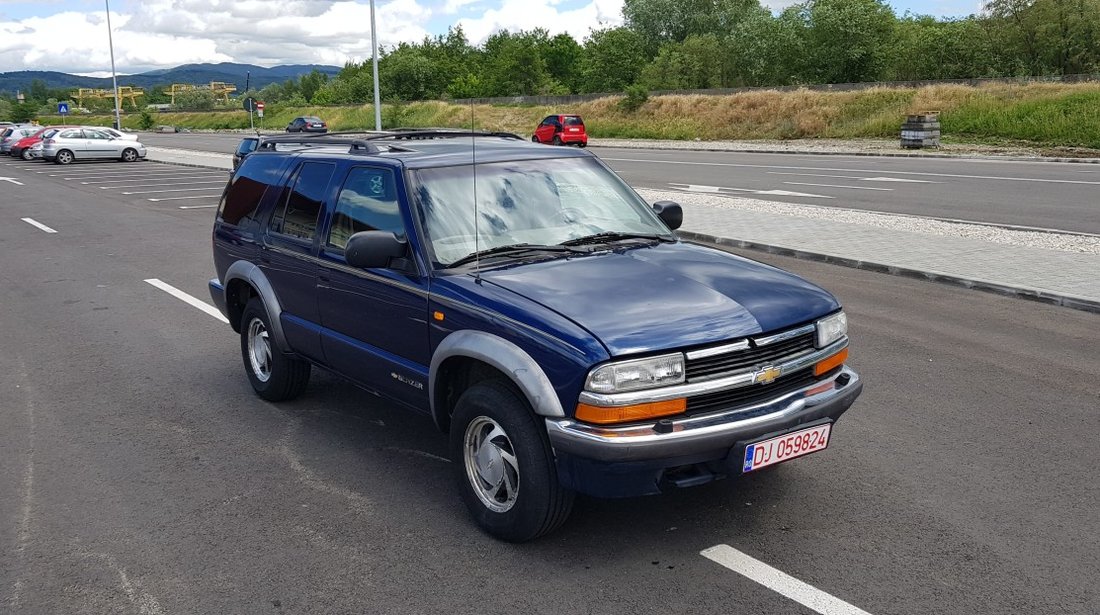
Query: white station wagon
(83, 143)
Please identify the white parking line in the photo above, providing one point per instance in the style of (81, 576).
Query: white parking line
(836, 186)
(38, 225)
(169, 190)
(181, 198)
(113, 174)
(188, 299)
(197, 206)
(150, 178)
(779, 581)
(183, 183)
(861, 178)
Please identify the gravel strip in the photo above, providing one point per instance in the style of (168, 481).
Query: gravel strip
(1082, 244)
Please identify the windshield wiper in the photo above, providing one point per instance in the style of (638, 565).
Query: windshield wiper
(610, 236)
(516, 248)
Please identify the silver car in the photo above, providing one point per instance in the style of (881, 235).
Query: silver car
(84, 143)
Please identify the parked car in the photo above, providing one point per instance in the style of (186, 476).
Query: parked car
(81, 143)
(21, 148)
(34, 152)
(244, 148)
(561, 130)
(13, 134)
(310, 123)
(532, 332)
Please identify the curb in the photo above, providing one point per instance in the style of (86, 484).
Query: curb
(1008, 290)
(593, 143)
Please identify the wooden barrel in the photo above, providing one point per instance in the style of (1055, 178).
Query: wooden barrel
(921, 130)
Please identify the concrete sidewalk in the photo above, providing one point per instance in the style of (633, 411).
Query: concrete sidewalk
(1069, 276)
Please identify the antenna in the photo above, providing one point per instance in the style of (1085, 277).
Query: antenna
(473, 157)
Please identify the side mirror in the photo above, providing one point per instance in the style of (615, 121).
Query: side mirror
(670, 213)
(373, 249)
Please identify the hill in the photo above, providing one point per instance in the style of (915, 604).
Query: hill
(227, 72)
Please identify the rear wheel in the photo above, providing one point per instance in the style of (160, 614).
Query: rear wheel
(557, 140)
(64, 157)
(274, 375)
(504, 464)
(129, 155)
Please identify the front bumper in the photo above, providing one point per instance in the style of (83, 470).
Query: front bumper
(633, 460)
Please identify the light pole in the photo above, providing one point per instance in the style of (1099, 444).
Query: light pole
(114, 78)
(374, 43)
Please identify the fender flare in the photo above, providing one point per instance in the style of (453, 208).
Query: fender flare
(505, 356)
(254, 277)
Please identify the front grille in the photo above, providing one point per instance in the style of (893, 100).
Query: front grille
(752, 394)
(739, 360)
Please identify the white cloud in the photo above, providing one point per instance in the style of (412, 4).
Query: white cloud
(529, 14)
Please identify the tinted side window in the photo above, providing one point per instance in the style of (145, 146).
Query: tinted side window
(246, 146)
(257, 175)
(367, 202)
(298, 217)
(71, 134)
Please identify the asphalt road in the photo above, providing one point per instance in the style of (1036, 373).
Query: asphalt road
(1060, 196)
(140, 474)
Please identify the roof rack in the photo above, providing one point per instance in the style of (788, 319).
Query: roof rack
(365, 141)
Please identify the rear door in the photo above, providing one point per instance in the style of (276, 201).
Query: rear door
(375, 321)
(287, 256)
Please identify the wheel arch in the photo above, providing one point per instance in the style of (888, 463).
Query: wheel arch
(466, 357)
(244, 280)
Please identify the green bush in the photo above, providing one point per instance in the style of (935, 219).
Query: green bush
(635, 96)
(146, 121)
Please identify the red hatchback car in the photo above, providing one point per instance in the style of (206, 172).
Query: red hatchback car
(561, 130)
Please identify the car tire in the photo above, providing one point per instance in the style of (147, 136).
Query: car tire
(582, 144)
(511, 488)
(26, 155)
(557, 140)
(129, 155)
(63, 157)
(274, 376)
(534, 138)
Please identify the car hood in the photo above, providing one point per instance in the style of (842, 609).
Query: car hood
(667, 296)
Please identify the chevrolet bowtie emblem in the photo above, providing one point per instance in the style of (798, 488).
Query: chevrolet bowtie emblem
(766, 375)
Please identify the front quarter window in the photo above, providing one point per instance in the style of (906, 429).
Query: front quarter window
(539, 202)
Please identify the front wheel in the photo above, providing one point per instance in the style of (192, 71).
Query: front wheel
(534, 138)
(504, 465)
(129, 155)
(274, 375)
(26, 155)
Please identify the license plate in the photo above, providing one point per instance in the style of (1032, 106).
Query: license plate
(574, 130)
(786, 447)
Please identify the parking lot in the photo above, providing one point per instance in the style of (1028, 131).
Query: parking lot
(140, 474)
(160, 185)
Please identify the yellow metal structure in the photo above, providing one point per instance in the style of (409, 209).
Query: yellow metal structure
(220, 89)
(125, 92)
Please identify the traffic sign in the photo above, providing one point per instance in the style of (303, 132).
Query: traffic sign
(260, 108)
(63, 108)
(248, 103)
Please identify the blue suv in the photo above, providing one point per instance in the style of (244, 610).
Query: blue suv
(543, 315)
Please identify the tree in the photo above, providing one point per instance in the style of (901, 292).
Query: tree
(309, 84)
(407, 75)
(613, 59)
(512, 64)
(659, 22)
(699, 62)
(765, 50)
(197, 100)
(563, 55)
(5, 109)
(847, 40)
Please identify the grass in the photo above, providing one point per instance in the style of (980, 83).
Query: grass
(1043, 114)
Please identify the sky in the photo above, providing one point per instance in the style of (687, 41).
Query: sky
(72, 35)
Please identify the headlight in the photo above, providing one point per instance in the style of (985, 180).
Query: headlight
(831, 329)
(637, 374)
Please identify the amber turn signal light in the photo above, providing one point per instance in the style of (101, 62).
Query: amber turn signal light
(601, 415)
(832, 362)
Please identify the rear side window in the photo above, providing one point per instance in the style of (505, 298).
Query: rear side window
(574, 121)
(298, 215)
(367, 202)
(246, 146)
(72, 134)
(257, 175)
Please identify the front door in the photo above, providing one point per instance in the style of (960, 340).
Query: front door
(97, 144)
(375, 328)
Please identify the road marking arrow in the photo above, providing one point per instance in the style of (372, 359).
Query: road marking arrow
(8, 179)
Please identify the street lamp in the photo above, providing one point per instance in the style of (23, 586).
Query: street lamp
(114, 78)
(374, 43)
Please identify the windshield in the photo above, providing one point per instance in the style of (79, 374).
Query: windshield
(537, 202)
(573, 121)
